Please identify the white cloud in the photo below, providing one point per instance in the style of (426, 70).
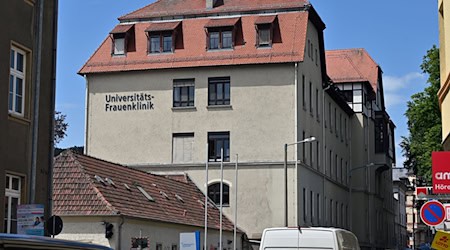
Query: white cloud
(394, 83)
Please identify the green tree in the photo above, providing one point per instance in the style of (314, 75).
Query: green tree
(60, 127)
(424, 120)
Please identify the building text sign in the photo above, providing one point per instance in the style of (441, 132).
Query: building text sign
(441, 172)
(129, 102)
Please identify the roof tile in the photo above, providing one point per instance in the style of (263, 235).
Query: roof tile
(94, 198)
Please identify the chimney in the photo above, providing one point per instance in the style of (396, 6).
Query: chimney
(210, 4)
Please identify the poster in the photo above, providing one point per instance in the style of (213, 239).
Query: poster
(30, 219)
(190, 241)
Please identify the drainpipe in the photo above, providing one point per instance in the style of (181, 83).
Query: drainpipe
(52, 118)
(119, 238)
(37, 92)
(295, 139)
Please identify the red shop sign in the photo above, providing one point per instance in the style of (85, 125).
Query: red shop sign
(441, 172)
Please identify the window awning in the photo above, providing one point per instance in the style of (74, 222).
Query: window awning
(265, 19)
(222, 22)
(165, 26)
(124, 28)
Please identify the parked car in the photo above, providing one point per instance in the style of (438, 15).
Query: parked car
(20, 242)
(308, 238)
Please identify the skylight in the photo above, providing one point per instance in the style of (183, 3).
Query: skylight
(145, 193)
(164, 194)
(179, 198)
(127, 187)
(110, 181)
(99, 179)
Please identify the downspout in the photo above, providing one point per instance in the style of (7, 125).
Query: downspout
(86, 115)
(52, 118)
(37, 94)
(323, 150)
(119, 239)
(296, 139)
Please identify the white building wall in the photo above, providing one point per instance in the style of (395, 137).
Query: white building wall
(91, 230)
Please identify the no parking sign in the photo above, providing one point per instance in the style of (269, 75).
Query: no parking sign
(432, 213)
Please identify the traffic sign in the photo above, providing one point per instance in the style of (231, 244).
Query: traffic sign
(432, 213)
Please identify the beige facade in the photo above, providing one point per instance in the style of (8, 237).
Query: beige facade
(91, 229)
(444, 101)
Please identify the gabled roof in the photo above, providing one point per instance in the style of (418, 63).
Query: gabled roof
(77, 191)
(352, 65)
(169, 8)
(191, 50)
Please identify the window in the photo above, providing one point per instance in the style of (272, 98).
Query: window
(122, 39)
(12, 199)
(219, 91)
(310, 98)
(221, 39)
(318, 208)
(303, 92)
(174, 246)
(309, 48)
(335, 122)
(304, 205)
(303, 147)
(342, 171)
(331, 163)
(264, 35)
(16, 99)
(214, 193)
(183, 147)
(317, 59)
(317, 105)
(183, 93)
(159, 246)
(331, 212)
(216, 142)
(317, 154)
(311, 206)
(329, 117)
(119, 44)
(161, 42)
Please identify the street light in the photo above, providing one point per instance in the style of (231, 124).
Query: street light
(307, 140)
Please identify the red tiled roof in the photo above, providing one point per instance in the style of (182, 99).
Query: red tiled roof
(222, 22)
(121, 28)
(162, 26)
(265, 19)
(292, 26)
(352, 65)
(77, 192)
(192, 7)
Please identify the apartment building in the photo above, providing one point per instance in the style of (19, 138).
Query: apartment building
(444, 102)
(28, 45)
(177, 82)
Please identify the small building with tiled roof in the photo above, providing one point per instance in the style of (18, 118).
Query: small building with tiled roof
(89, 194)
(176, 82)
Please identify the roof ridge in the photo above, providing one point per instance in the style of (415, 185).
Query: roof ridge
(109, 206)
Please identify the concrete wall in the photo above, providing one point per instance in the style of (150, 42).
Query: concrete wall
(90, 229)
(261, 113)
(444, 37)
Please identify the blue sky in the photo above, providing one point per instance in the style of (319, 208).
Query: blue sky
(396, 34)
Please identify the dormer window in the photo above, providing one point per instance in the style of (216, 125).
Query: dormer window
(122, 39)
(221, 33)
(162, 37)
(265, 29)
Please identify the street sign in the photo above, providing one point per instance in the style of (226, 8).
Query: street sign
(432, 213)
(441, 241)
(447, 211)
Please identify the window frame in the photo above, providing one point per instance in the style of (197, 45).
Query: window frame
(264, 27)
(161, 35)
(11, 193)
(178, 86)
(183, 136)
(14, 74)
(221, 31)
(226, 87)
(216, 193)
(213, 151)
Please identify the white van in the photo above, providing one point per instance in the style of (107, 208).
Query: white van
(308, 238)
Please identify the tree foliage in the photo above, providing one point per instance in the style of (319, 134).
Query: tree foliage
(424, 120)
(60, 127)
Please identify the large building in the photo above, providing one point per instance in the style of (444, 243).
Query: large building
(444, 100)
(177, 82)
(27, 105)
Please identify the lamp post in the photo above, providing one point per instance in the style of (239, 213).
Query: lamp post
(307, 140)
